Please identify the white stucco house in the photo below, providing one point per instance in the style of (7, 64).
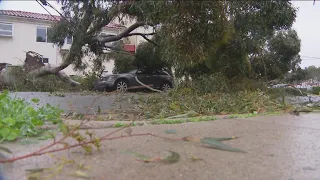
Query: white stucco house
(26, 31)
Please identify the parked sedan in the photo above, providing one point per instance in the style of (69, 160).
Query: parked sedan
(157, 79)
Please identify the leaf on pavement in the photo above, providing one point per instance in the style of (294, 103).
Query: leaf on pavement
(81, 174)
(220, 139)
(170, 131)
(35, 100)
(32, 178)
(36, 170)
(172, 158)
(2, 148)
(191, 138)
(195, 158)
(213, 143)
(138, 155)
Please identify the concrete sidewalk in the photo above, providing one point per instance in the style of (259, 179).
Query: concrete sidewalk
(278, 147)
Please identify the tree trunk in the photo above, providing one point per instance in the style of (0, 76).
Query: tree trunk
(48, 69)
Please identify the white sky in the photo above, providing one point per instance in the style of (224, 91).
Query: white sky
(307, 24)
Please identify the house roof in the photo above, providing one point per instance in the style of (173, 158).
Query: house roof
(47, 17)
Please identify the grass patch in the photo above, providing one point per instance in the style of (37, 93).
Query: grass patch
(120, 124)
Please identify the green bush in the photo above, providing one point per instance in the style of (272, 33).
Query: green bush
(19, 119)
(87, 82)
(219, 83)
(316, 90)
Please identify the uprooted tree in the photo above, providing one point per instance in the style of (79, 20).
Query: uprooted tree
(220, 35)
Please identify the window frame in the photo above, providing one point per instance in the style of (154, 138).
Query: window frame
(42, 27)
(71, 40)
(46, 59)
(12, 29)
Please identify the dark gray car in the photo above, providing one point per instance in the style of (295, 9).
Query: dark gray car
(157, 79)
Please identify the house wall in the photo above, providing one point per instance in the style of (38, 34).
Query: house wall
(13, 49)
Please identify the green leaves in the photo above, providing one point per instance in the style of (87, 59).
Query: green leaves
(20, 119)
(35, 100)
(170, 131)
(8, 134)
(216, 144)
(138, 155)
(173, 157)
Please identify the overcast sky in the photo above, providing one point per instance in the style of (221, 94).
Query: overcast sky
(307, 25)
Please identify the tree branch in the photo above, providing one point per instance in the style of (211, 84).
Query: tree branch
(123, 34)
(140, 34)
(145, 37)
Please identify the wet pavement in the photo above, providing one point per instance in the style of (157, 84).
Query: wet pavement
(79, 102)
(278, 147)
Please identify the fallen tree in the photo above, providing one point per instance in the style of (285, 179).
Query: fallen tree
(31, 69)
(34, 67)
(83, 21)
(198, 36)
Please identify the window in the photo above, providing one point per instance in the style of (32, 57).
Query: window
(6, 29)
(42, 34)
(69, 40)
(45, 60)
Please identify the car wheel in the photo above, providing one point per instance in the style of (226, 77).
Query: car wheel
(122, 85)
(165, 87)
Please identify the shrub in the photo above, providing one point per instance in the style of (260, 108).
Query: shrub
(219, 83)
(20, 119)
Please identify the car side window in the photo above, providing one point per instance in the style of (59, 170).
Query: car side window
(139, 72)
(160, 73)
(144, 72)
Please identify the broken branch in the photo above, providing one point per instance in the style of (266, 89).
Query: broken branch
(123, 34)
(145, 37)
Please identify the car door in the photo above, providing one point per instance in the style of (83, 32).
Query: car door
(144, 77)
(153, 78)
(157, 78)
